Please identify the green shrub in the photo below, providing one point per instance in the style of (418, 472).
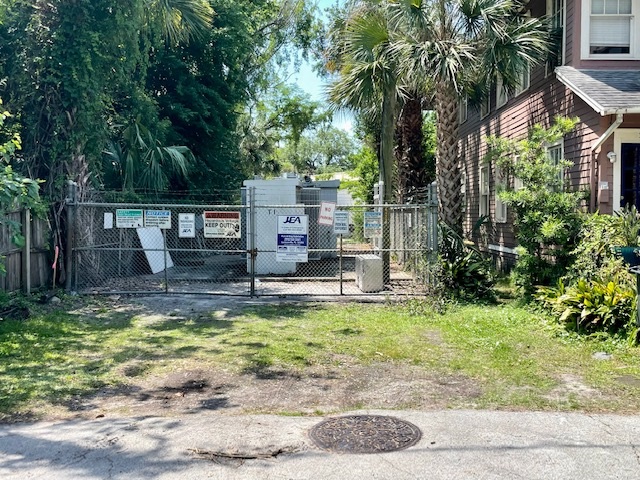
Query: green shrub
(594, 256)
(462, 270)
(591, 306)
(546, 214)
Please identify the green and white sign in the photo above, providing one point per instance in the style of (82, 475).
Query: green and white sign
(129, 218)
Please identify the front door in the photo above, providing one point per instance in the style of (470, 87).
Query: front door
(630, 164)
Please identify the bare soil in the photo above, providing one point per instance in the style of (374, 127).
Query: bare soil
(318, 391)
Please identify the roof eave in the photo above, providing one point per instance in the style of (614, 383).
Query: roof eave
(588, 100)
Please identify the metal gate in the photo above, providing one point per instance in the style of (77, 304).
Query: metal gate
(199, 248)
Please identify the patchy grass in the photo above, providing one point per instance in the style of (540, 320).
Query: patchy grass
(517, 359)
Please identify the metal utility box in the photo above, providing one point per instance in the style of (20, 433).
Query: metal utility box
(369, 277)
(276, 192)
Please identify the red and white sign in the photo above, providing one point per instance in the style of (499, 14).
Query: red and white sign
(221, 224)
(327, 209)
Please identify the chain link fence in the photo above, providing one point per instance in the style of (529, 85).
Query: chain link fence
(251, 248)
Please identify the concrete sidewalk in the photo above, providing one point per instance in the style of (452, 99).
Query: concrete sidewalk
(454, 445)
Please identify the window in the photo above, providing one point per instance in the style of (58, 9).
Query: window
(485, 107)
(524, 83)
(555, 153)
(608, 29)
(484, 190)
(518, 184)
(501, 93)
(556, 13)
(462, 109)
(501, 208)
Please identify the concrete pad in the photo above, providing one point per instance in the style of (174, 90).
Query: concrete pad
(454, 445)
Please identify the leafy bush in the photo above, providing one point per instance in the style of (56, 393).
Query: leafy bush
(547, 218)
(594, 256)
(591, 306)
(462, 270)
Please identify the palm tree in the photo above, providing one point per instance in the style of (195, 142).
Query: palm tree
(368, 77)
(461, 44)
(368, 83)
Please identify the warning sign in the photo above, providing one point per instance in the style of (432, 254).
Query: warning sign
(157, 218)
(221, 224)
(187, 225)
(341, 223)
(129, 218)
(327, 210)
(373, 224)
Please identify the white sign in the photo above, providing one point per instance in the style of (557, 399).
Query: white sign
(372, 224)
(108, 220)
(157, 218)
(187, 225)
(221, 224)
(341, 222)
(327, 210)
(293, 238)
(129, 218)
(155, 250)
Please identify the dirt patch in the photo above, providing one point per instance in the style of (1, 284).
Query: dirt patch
(572, 385)
(317, 391)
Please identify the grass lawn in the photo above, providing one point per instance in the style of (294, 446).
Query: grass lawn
(517, 359)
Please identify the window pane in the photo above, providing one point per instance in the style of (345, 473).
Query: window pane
(610, 34)
(611, 7)
(597, 7)
(625, 6)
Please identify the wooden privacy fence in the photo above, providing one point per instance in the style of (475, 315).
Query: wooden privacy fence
(27, 267)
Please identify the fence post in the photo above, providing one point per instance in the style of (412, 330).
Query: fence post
(252, 239)
(71, 230)
(26, 251)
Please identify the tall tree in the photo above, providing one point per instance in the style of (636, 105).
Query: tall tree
(460, 44)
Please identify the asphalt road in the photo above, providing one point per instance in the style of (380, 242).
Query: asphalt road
(454, 445)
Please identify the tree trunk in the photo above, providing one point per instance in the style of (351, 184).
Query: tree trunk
(448, 173)
(411, 163)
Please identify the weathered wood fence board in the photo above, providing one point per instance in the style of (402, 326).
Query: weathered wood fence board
(16, 258)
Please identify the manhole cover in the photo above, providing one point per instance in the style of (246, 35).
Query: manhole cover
(365, 434)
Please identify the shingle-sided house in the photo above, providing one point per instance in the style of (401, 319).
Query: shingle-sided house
(597, 78)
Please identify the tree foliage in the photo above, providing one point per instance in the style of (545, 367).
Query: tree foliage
(16, 191)
(547, 218)
(82, 74)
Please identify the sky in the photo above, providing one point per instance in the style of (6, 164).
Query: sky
(310, 83)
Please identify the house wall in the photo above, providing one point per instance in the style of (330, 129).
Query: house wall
(574, 33)
(540, 104)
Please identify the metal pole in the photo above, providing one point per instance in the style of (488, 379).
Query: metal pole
(71, 228)
(166, 275)
(26, 251)
(252, 242)
(340, 264)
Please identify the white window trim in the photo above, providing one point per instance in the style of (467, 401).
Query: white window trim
(634, 49)
(463, 106)
(486, 102)
(520, 88)
(503, 249)
(502, 96)
(484, 191)
(622, 135)
(463, 190)
(500, 213)
(559, 143)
